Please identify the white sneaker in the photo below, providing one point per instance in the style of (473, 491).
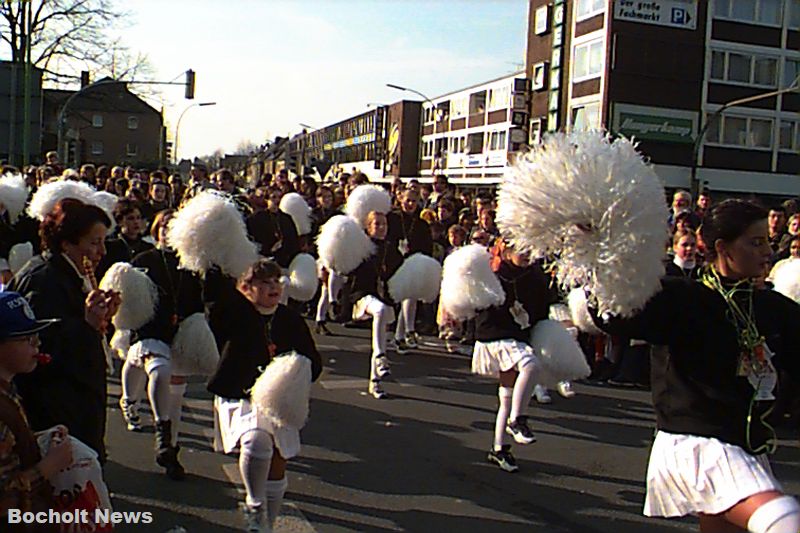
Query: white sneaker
(412, 340)
(376, 390)
(565, 389)
(541, 394)
(382, 366)
(130, 413)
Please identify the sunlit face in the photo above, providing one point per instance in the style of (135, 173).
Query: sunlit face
(704, 202)
(794, 249)
(274, 200)
(91, 245)
(263, 293)
(776, 220)
(747, 256)
(456, 238)
(325, 199)
(159, 192)
(486, 219)
(163, 228)
(132, 224)
(439, 185)
(377, 227)
(19, 354)
(680, 203)
(410, 201)
(685, 248)
(794, 226)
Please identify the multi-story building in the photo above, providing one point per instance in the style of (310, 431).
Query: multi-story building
(12, 113)
(473, 134)
(671, 73)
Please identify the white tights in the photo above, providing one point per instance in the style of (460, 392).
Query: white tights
(405, 322)
(513, 401)
(255, 458)
(329, 294)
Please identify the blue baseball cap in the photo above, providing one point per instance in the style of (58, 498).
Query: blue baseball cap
(17, 318)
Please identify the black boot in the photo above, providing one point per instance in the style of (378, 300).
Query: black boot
(166, 453)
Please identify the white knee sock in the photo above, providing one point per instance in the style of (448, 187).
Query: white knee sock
(255, 458)
(133, 380)
(322, 304)
(275, 492)
(523, 388)
(409, 310)
(158, 390)
(781, 515)
(504, 395)
(380, 318)
(400, 328)
(176, 392)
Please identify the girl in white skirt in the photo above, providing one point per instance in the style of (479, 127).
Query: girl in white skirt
(502, 335)
(720, 343)
(252, 327)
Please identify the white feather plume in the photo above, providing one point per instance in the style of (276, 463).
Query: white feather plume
(579, 309)
(47, 196)
(296, 207)
(209, 231)
(13, 195)
(281, 392)
(365, 199)
(560, 313)
(303, 280)
(19, 255)
(105, 201)
(342, 244)
(121, 343)
(138, 293)
(787, 279)
(558, 352)
(468, 283)
(194, 349)
(418, 278)
(598, 208)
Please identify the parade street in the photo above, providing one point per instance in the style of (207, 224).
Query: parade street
(416, 461)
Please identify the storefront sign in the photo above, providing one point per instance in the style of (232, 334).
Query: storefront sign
(673, 13)
(655, 123)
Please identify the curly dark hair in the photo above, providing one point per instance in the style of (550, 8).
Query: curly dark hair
(69, 221)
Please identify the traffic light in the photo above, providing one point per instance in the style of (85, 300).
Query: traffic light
(189, 84)
(168, 151)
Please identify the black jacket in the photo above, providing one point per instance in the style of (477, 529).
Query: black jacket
(671, 269)
(375, 270)
(241, 335)
(695, 387)
(71, 390)
(412, 228)
(180, 294)
(121, 249)
(530, 287)
(267, 228)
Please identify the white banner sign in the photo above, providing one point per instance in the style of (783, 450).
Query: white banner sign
(672, 13)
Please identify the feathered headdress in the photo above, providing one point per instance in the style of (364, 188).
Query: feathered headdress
(48, 195)
(367, 198)
(596, 206)
(296, 207)
(13, 195)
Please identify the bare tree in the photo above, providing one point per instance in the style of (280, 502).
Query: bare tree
(245, 147)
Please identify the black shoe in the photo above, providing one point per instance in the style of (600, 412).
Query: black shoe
(503, 459)
(520, 431)
(402, 346)
(168, 458)
(322, 329)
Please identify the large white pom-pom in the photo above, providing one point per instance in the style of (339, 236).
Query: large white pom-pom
(121, 343)
(598, 208)
(342, 244)
(418, 278)
(209, 231)
(47, 196)
(138, 293)
(560, 355)
(105, 201)
(367, 198)
(579, 310)
(19, 255)
(303, 280)
(468, 283)
(194, 349)
(13, 195)
(296, 207)
(281, 393)
(787, 279)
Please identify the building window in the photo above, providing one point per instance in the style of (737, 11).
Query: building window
(794, 14)
(500, 98)
(767, 12)
(746, 132)
(535, 132)
(131, 149)
(97, 121)
(477, 103)
(790, 71)
(459, 107)
(748, 69)
(97, 147)
(133, 123)
(497, 140)
(588, 8)
(475, 143)
(585, 117)
(587, 61)
(789, 138)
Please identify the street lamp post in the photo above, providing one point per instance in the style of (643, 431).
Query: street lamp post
(62, 151)
(178, 126)
(698, 142)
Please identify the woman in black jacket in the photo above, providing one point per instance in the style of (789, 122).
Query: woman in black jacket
(713, 386)
(251, 327)
(71, 390)
(369, 295)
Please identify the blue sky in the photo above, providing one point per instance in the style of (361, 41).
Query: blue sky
(271, 64)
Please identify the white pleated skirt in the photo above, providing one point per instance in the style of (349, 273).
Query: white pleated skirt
(233, 418)
(491, 358)
(689, 475)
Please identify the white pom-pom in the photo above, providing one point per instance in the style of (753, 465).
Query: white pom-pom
(367, 198)
(281, 393)
(303, 280)
(209, 231)
(560, 313)
(598, 208)
(138, 293)
(13, 195)
(787, 279)
(418, 278)
(468, 283)
(19, 255)
(579, 310)
(121, 343)
(47, 196)
(342, 244)
(560, 355)
(194, 349)
(105, 201)
(296, 207)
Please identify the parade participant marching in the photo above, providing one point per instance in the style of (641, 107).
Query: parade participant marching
(409, 234)
(129, 242)
(251, 328)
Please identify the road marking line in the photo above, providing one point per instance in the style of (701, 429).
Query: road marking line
(335, 384)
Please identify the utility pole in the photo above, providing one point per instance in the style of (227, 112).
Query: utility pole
(26, 125)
